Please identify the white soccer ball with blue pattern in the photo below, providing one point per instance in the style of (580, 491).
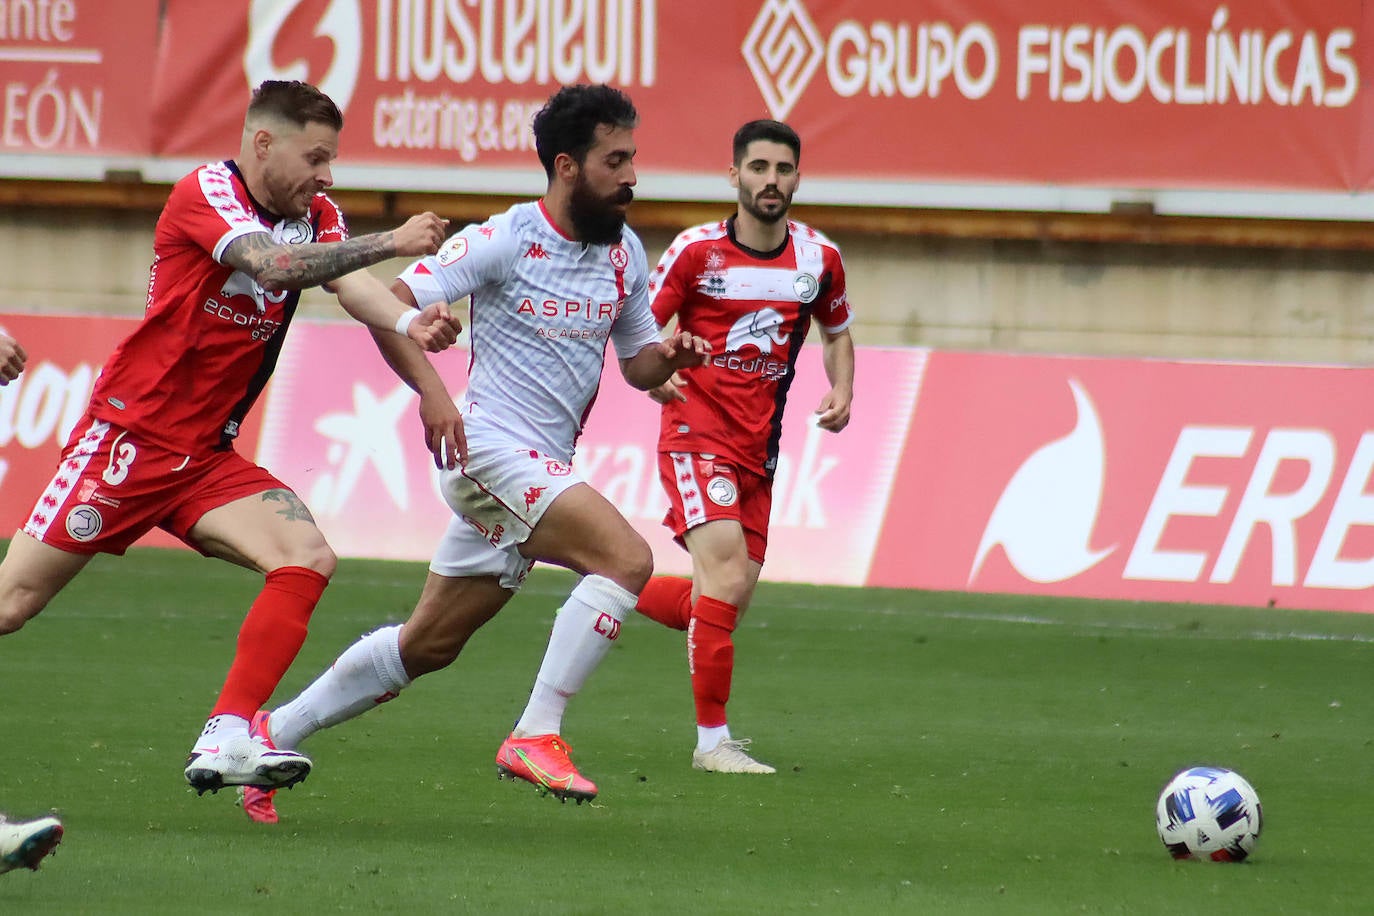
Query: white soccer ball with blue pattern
(1209, 813)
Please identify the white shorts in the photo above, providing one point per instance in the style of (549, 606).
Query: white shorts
(498, 497)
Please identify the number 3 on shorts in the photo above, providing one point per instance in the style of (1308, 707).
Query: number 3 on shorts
(122, 454)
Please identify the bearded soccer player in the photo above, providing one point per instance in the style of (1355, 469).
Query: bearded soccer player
(552, 282)
(236, 243)
(751, 285)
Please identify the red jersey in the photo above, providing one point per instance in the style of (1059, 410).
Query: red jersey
(755, 308)
(210, 335)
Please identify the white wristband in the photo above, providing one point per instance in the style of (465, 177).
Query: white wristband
(405, 321)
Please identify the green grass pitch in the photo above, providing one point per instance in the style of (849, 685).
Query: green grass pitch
(937, 753)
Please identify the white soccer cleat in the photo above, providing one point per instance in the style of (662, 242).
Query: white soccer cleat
(244, 761)
(23, 844)
(729, 757)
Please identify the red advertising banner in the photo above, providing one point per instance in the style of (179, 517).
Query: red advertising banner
(1020, 104)
(70, 70)
(1204, 482)
(1169, 94)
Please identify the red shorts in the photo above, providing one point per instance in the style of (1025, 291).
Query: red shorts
(111, 488)
(703, 488)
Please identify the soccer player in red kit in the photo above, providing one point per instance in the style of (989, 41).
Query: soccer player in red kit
(751, 286)
(236, 243)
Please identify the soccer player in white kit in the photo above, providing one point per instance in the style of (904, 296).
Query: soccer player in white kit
(552, 282)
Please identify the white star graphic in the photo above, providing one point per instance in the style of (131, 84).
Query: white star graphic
(369, 435)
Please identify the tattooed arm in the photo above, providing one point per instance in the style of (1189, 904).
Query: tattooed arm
(277, 267)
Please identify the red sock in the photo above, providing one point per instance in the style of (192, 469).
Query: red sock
(667, 599)
(271, 635)
(711, 658)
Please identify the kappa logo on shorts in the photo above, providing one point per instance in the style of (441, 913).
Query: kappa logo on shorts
(532, 496)
(721, 491)
(84, 523)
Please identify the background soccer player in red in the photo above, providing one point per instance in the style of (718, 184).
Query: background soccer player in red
(751, 286)
(236, 243)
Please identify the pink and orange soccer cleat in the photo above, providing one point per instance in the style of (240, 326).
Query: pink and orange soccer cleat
(543, 760)
(257, 803)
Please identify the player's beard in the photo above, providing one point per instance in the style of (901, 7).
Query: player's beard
(750, 204)
(291, 202)
(597, 220)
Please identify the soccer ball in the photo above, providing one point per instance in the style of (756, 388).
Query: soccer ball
(1209, 813)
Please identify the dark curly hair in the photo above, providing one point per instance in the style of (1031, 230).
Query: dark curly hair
(774, 131)
(568, 121)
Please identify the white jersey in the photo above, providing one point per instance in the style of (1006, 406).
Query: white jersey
(543, 308)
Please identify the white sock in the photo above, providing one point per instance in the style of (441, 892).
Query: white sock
(218, 728)
(708, 736)
(368, 673)
(586, 625)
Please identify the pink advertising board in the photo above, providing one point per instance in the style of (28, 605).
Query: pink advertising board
(344, 431)
(1224, 483)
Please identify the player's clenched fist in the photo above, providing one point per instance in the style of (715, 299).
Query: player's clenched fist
(435, 328)
(422, 234)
